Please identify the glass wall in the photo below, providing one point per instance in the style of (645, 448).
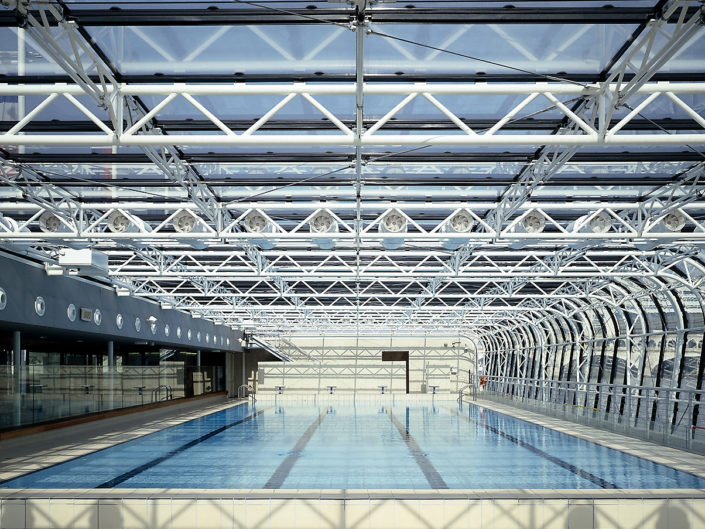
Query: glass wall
(39, 393)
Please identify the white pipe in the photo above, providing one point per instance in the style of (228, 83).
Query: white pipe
(349, 89)
(346, 140)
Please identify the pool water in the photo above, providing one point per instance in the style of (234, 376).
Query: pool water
(357, 446)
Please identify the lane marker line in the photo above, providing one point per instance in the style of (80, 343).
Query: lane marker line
(429, 471)
(149, 464)
(561, 463)
(282, 471)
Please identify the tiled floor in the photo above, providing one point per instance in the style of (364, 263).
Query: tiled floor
(32, 452)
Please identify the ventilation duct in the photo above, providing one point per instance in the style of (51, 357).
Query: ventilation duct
(533, 222)
(256, 222)
(50, 223)
(393, 222)
(10, 225)
(672, 222)
(323, 222)
(118, 222)
(460, 222)
(186, 222)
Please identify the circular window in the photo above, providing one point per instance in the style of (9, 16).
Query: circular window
(97, 316)
(178, 332)
(40, 306)
(227, 341)
(198, 336)
(153, 328)
(3, 298)
(138, 324)
(71, 312)
(208, 338)
(118, 321)
(166, 329)
(188, 334)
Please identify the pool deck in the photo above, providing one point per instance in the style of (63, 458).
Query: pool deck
(334, 509)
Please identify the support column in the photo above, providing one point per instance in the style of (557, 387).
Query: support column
(18, 368)
(244, 376)
(198, 358)
(111, 374)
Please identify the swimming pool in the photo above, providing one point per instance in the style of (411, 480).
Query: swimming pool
(357, 446)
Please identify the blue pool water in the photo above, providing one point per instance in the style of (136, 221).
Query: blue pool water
(363, 446)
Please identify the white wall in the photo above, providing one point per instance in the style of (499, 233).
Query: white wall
(355, 364)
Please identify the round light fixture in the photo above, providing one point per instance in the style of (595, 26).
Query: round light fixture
(40, 306)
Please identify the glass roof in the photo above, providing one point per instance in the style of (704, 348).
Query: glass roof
(463, 126)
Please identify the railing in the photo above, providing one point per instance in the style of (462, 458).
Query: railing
(670, 416)
(39, 393)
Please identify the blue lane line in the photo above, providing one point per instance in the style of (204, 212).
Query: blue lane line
(597, 480)
(146, 466)
(283, 470)
(429, 471)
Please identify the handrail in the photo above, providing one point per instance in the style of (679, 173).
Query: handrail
(466, 386)
(169, 392)
(246, 388)
(554, 383)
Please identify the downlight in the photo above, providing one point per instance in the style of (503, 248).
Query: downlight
(460, 222)
(321, 223)
(256, 222)
(393, 222)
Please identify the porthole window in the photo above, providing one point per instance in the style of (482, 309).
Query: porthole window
(3, 298)
(166, 330)
(208, 338)
(97, 316)
(71, 312)
(178, 332)
(227, 341)
(40, 306)
(119, 321)
(138, 324)
(153, 328)
(188, 334)
(198, 336)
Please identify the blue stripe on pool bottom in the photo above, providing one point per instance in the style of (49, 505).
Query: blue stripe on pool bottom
(563, 464)
(283, 470)
(149, 464)
(429, 471)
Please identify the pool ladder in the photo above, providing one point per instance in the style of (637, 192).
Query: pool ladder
(466, 386)
(157, 391)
